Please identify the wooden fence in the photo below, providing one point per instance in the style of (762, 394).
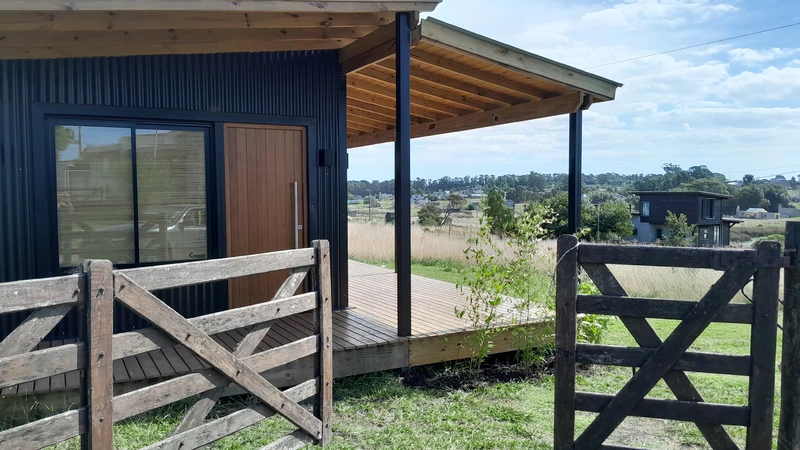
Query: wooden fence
(668, 359)
(94, 290)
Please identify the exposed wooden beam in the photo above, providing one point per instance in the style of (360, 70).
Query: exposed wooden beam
(523, 89)
(377, 46)
(360, 120)
(165, 49)
(419, 72)
(418, 88)
(376, 38)
(564, 104)
(380, 110)
(382, 101)
(184, 20)
(380, 118)
(522, 62)
(363, 85)
(132, 39)
(290, 6)
(361, 128)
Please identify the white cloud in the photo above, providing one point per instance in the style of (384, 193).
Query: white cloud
(751, 56)
(770, 84)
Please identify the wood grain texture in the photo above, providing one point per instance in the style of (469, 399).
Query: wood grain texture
(27, 335)
(324, 327)
(689, 362)
(99, 367)
(655, 308)
(696, 258)
(191, 273)
(789, 426)
(227, 425)
(262, 164)
(176, 6)
(566, 340)
(45, 432)
(293, 441)
(166, 319)
(646, 337)
(671, 410)
(33, 294)
(763, 341)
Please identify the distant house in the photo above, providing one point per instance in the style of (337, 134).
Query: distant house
(788, 213)
(511, 204)
(756, 213)
(703, 209)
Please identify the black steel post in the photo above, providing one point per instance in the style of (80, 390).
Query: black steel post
(575, 156)
(402, 174)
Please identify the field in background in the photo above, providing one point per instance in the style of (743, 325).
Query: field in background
(440, 254)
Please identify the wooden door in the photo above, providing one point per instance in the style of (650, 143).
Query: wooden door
(262, 165)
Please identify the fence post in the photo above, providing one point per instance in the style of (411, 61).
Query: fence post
(566, 341)
(762, 348)
(324, 327)
(99, 385)
(789, 424)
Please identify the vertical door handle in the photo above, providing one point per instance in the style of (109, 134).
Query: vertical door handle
(296, 219)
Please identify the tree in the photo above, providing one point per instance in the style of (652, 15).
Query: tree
(431, 216)
(680, 231)
(615, 218)
(456, 201)
(500, 216)
(776, 195)
(748, 179)
(372, 202)
(750, 196)
(615, 221)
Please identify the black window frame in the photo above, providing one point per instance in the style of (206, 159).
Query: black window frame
(115, 122)
(642, 208)
(709, 208)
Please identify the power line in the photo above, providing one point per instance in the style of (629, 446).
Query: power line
(751, 171)
(696, 45)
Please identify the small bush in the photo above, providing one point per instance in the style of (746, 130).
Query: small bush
(772, 237)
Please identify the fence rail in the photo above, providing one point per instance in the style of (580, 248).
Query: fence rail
(230, 373)
(666, 359)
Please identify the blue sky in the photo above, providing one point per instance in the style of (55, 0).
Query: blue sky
(733, 106)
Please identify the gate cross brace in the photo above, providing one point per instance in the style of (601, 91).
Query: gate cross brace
(646, 337)
(198, 412)
(145, 304)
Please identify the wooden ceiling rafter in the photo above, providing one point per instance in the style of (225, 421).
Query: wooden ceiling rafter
(560, 105)
(362, 84)
(187, 20)
(288, 6)
(384, 102)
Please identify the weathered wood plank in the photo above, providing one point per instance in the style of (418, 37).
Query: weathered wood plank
(162, 316)
(293, 441)
(186, 274)
(654, 308)
(665, 356)
(40, 293)
(324, 327)
(690, 361)
(789, 427)
(697, 258)
(763, 341)
(197, 414)
(30, 332)
(100, 367)
(179, 6)
(566, 339)
(26, 367)
(698, 412)
(169, 391)
(646, 337)
(45, 432)
(225, 426)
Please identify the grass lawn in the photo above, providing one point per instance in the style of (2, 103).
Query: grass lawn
(378, 411)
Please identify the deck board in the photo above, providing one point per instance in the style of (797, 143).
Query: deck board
(365, 336)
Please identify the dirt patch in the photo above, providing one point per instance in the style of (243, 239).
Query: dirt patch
(497, 369)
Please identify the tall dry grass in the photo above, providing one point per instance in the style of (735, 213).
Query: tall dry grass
(375, 242)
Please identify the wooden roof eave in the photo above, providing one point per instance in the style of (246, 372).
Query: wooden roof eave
(285, 6)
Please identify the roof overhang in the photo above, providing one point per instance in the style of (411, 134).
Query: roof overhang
(459, 81)
(37, 29)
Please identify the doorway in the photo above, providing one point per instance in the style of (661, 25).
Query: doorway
(266, 200)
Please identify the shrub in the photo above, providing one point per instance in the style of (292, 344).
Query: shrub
(772, 237)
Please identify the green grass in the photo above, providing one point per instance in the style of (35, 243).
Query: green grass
(444, 270)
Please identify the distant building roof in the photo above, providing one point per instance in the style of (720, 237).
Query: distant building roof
(731, 221)
(755, 210)
(693, 193)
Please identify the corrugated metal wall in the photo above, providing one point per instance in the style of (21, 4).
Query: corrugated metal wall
(303, 84)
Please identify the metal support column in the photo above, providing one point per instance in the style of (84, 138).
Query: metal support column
(575, 157)
(402, 174)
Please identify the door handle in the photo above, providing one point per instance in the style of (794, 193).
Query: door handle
(297, 225)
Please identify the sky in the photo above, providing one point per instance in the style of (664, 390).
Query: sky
(733, 106)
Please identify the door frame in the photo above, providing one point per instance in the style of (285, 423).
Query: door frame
(44, 242)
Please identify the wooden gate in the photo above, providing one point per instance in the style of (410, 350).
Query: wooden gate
(668, 359)
(228, 373)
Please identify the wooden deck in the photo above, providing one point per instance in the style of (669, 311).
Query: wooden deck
(365, 338)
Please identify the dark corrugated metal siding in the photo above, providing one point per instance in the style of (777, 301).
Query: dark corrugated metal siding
(303, 84)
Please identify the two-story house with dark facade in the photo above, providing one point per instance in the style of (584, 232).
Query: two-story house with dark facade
(703, 209)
